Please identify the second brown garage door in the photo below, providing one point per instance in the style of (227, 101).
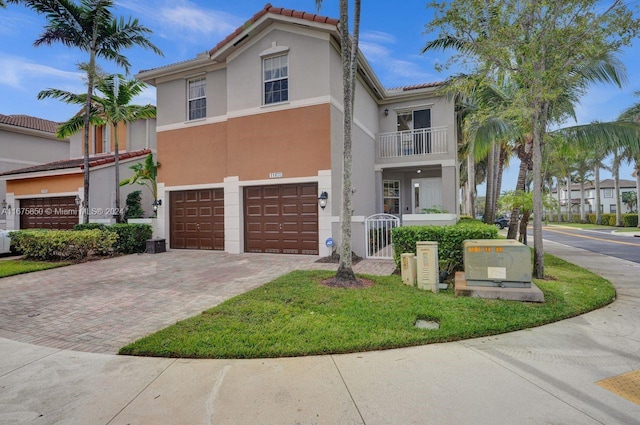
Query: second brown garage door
(197, 219)
(48, 213)
(281, 219)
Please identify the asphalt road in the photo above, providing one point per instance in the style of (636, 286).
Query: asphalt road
(603, 242)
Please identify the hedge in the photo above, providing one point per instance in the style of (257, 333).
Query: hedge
(450, 239)
(630, 220)
(132, 237)
(62, 244)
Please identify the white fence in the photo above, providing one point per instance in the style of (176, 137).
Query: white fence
(378, 242)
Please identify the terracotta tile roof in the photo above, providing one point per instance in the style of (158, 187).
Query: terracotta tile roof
(33, 123)
(65, 164)
(276, 11)
(417, 86)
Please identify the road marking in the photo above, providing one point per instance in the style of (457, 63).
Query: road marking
(590, 237)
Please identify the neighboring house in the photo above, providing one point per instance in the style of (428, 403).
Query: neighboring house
(27, 141)
(607, 196)
(48, 195)
(250, 135)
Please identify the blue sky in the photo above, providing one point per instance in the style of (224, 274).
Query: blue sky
(391, 39)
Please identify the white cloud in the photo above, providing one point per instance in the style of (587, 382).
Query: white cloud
(184, 19)
(19, 72)
(378, 37)
(391, 70)
(147, 97)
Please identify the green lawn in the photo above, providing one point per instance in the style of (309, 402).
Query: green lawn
(295, 315)
(13, 267)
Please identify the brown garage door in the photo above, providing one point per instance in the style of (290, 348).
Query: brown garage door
(49, 213)
(281, 219)
(197, 219)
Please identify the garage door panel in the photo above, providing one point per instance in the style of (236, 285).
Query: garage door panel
(288, 219)
(197, 219)
(205, 211)
(271, 210)
(60, 213)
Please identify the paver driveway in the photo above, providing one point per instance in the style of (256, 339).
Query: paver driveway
(102, 305)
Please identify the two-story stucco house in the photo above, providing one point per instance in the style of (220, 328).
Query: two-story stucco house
(607, 196)
(26, 141)
(249, 136)
(48, 195)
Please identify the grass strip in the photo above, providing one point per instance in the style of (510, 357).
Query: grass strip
(295, 315)
(14, 267)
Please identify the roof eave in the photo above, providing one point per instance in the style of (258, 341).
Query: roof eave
(31, 132)
(152, 75)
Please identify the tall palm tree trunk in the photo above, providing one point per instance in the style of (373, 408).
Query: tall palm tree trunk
(616, 193)
(569, 199)
(559, 199)
(488, 203)
(117, 171)
(87, 115)
(349, 66)
(583, 216)
(523, 150)
(539, 127)
(596, 173)
(471, 180)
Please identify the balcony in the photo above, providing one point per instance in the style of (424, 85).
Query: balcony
(421, 142)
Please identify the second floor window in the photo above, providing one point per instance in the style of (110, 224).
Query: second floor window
(275, 76)
(608, 193)
(197, 98)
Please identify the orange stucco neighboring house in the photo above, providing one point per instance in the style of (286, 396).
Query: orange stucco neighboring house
(249, 137)
(48, 195)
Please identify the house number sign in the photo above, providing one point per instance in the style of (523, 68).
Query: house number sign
(277, 175)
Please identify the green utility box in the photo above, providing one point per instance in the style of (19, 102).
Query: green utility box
(497, 262)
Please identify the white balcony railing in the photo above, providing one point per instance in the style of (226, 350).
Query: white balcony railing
(424, 141)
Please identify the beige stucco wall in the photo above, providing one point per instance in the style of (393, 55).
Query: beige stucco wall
(308, 67)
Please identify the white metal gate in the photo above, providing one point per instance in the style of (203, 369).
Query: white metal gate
(378, 235)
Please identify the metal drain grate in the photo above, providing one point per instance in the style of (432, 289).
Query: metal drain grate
(626, 385)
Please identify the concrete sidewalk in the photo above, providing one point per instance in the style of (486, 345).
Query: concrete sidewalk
(545, 375)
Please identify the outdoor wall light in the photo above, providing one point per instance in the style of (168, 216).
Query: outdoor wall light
(386, 112)
(322, 199)
(77, 200)
(157, 203)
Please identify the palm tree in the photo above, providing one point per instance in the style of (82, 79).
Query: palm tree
(91, 27)
(349, 52)
(112, 108)
(632, 114)
(145, 174)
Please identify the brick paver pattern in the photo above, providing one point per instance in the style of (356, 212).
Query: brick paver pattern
(100, 306)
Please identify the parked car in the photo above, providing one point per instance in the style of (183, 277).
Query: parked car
(5, 242)
(501, 222)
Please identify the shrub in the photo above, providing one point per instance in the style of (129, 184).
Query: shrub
(630, 220)
(132, 238)
(450, 239)
(465, 218)
(90, 226)
(134, 205)
(608, 219)
(62, 244)
(591, 218)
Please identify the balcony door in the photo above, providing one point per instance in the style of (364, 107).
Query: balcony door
(427, 194)
(416, 136)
